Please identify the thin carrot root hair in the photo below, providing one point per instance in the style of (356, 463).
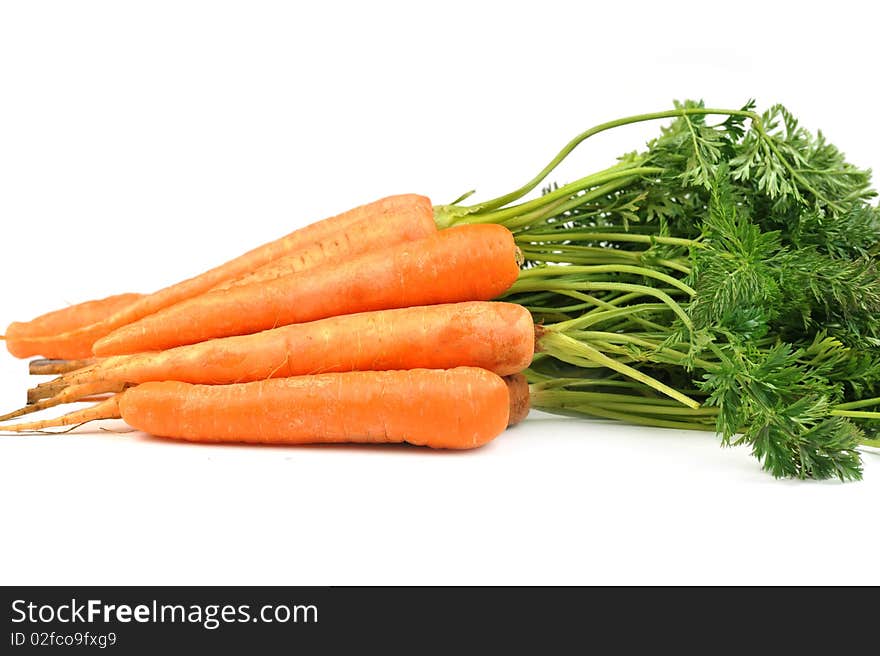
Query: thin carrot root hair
(84, 374)
(68, 395)
(107, 409)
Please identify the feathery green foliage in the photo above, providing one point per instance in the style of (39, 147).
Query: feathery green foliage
(724, 279)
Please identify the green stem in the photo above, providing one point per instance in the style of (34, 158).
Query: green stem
(542, 214)
(597, 236)
(607, 268)
(602, 127)
(542, 382)
(647, 409)
(677, 266)
(853, 405)
(570, 350)
(579, 255)
(618, 338)
(538, 285)
(592, 318)
(629, 418)
(551, 397)
(516, 216)
(855, 414)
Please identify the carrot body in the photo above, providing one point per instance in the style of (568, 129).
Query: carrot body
(312, 242)
(24, 339)
(459, 408)
(472, 262)
(360, 237)
(496, 336)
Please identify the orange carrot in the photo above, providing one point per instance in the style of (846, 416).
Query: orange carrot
(496, 336)
(24, 339)
(471, 262)
(459, 408)
(362, 237)
(395, 219)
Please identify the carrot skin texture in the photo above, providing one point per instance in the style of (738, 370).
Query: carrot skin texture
(44, 335)
(491, 335)
(520, 402)
(460, 408)
(358, 238)
(466, 263)
(73, 316)
(49, 367)
(78, 343)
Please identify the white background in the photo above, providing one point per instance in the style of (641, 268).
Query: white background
(141, 143)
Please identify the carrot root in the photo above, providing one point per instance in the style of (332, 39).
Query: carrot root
(39, 393)
(459, 408)
(107, 409)
(68, 395)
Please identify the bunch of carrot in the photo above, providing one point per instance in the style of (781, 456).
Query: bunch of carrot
(369, 326)
(400, 321)
(378, 324)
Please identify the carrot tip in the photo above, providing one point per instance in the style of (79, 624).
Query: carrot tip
(36, 406)
(36, 394)
(11, 431)
(107, 409)
(18, 413)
